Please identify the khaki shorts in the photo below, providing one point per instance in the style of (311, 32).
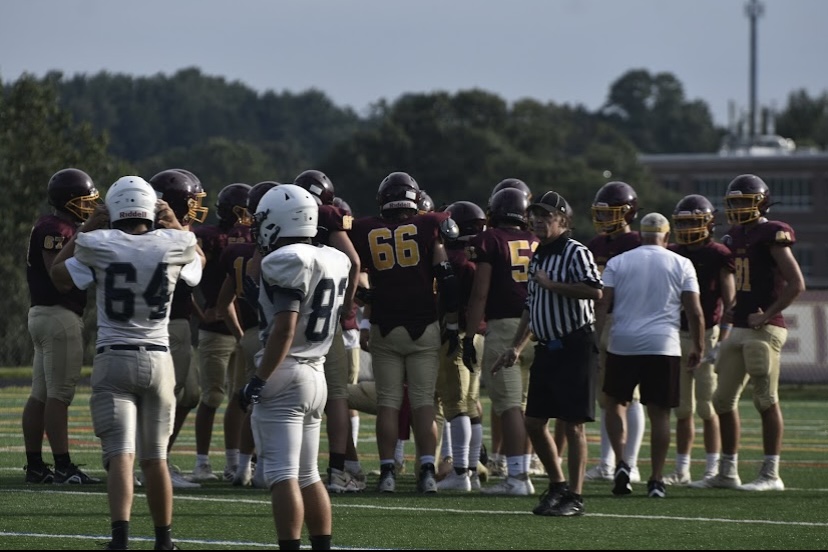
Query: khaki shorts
(57, 334)
(398, 359)
(507, 389)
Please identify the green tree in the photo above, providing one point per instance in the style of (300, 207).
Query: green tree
(805, 119)
(652, 111)
(37, 138)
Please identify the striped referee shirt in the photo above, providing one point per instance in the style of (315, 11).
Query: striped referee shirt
(552, 315)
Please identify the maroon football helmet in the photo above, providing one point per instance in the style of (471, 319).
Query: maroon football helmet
(425, 204)
(513, 183)
(398, 190)
(72, 191)
(318, 184)
(693, 219)
(508, 206)
(615, 206)
(231, 205)
(179, 191)
(198, 212)
(747, 198)
(469, 217)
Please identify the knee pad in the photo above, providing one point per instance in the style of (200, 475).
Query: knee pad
(212, 397)
(188, 398)
(684, 411)
(757, 355)
(705, 409)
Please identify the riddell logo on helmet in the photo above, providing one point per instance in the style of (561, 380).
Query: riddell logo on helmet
(134, 214)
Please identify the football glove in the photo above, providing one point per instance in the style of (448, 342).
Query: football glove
(249, 394)
(469, 353)
(453, 338)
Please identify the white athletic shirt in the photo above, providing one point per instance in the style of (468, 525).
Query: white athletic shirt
(310, 280)
(648, 282)
(135, 276)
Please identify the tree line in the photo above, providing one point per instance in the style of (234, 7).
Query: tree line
(457, 146)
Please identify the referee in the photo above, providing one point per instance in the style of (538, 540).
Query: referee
(560, 312)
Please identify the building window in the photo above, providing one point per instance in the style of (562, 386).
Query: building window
(804, 256)
(791, 193)
(713, 188)
(671, 183)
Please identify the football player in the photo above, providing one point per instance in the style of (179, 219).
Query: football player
(134, 269)
(302, 293)
(215, 343)
(693, 224)
(56, 327)
(182, 191)
(501, 254)
(460, 386)
(768, 280)
(613, 210)
(334, 226)
(403, 254)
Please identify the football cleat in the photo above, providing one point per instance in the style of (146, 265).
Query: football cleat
(474, 481)
(536, 466)
(39, 474)
(655, 489)
(203, 472)
(229, 473)
(456, 482)
(718, 481)
(73, 475)
(677, 478)
(621, 481)
(635, 475)
(764, 483)
(549, 500)
(388, 480)
(341, 482)
(178, 481)
(359, 477)
(497, 468)
(427, 483)
(243, 476)
(601, 472)
(519, 485)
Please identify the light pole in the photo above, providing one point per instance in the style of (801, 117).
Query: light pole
(754, 10)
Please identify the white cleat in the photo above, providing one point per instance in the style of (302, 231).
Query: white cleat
(764, 483)
(601, 472)
(677, 478)
(474, 481)
(718, 481)
(455, 482)
(203, 472)
(243, 476)
(179, 482)
(519, 485)
(635, 475)
(341, 482)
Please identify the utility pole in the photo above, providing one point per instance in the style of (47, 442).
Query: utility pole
(754, 10)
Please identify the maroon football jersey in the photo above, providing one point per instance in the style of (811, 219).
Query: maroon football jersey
(50, 233)
(213, 240)
(464, 272)
(709, 260)
(182, 301)
(331, 219)
(604, 247)
(398, 256)
(508, 251)
(235, 260)
(758, 282)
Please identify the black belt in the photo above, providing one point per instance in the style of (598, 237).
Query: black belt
(162, 348)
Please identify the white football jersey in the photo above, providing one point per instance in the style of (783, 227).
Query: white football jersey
(135, 276)
(316, 277)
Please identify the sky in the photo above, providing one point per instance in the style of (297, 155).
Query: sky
(361, 51)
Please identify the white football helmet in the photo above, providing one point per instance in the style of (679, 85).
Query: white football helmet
(285, 211)
(131, 197)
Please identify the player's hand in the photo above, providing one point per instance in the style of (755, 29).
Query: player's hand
(250, 288)
(507, 358)
(756, 319)
(694, 358)
(469, 353)
(165, 216)
(453, 338)
(712, 354)
(250, 393)
(97, 220)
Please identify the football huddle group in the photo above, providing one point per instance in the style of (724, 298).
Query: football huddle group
(288, 287)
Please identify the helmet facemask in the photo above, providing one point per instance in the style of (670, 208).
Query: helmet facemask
(196, 211)
(743, 208)
(83, 207)
(691, 228)
(609, 219)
